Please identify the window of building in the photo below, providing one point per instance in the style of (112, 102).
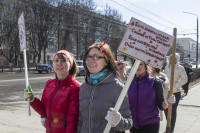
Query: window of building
(12, 5)
(4, 2)
(48, 57)
(180, 44)
(30, 56)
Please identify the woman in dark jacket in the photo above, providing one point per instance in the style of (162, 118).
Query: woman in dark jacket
(60, 97)
(146, 98)
(189, 71)
(100, 93)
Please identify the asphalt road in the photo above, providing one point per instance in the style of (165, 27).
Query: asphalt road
(13, 84)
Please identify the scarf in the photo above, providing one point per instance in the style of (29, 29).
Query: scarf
(95, 78)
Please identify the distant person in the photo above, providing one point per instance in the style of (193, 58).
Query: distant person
(180, 78)
(60, 98)
(146, 98)
(100, 92)
(164, 64)
(189, 72)
(190, 65)
(121, 66)
(156, 73)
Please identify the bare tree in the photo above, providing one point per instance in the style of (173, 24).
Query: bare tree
(65, 24)
(113, 29)
(9, 30)
(42, 27)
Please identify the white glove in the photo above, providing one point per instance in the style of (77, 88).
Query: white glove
(171, 99)
(113, 117)
(43, 121)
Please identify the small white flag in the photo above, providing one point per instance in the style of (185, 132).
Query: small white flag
(22, 35)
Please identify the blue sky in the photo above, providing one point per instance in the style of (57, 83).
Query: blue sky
(164, 15)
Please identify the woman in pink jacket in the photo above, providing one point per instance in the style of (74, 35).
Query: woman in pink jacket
(60, 97)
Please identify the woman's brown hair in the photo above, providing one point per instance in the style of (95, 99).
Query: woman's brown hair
(145, 65)
(73, 71)
(111, 65)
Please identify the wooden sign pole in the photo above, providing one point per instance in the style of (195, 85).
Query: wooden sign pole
(171, 82)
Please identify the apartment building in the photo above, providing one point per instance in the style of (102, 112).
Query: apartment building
(189, 48)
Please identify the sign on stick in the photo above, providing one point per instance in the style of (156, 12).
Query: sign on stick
(145, 43)
(22, 36)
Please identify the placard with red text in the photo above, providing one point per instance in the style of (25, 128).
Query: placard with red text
(145, 43)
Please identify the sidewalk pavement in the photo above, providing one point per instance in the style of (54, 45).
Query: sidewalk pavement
(15, 119)
(188, 114)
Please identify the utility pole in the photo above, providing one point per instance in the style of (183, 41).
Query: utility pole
(197, 38)
(189, 53)
(77, 32)
(77, 37)
(86, 36)
(197, 60)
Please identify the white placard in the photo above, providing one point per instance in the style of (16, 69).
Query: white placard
(22, 38)
(145, 43)
(22, 35)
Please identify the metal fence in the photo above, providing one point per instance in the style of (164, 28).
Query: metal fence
(19, 68)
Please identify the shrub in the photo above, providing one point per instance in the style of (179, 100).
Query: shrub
(196, 75)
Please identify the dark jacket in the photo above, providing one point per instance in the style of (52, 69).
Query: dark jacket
(189, 71)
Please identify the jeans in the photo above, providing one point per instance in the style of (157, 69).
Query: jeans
(174, 108)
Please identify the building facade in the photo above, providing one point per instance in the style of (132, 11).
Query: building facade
(189, 48)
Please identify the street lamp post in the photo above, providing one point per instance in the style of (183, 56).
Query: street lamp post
(189, 53)
(197, 37)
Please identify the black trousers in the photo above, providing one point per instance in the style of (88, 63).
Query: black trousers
(186, 86)
(174, 108)
(147, 129)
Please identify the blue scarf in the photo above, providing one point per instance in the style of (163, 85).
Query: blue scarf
(95, 78)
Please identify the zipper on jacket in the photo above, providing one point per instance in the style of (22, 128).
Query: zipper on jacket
(102, 80)
(51, 103)
(137, 97)
(91, 100)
